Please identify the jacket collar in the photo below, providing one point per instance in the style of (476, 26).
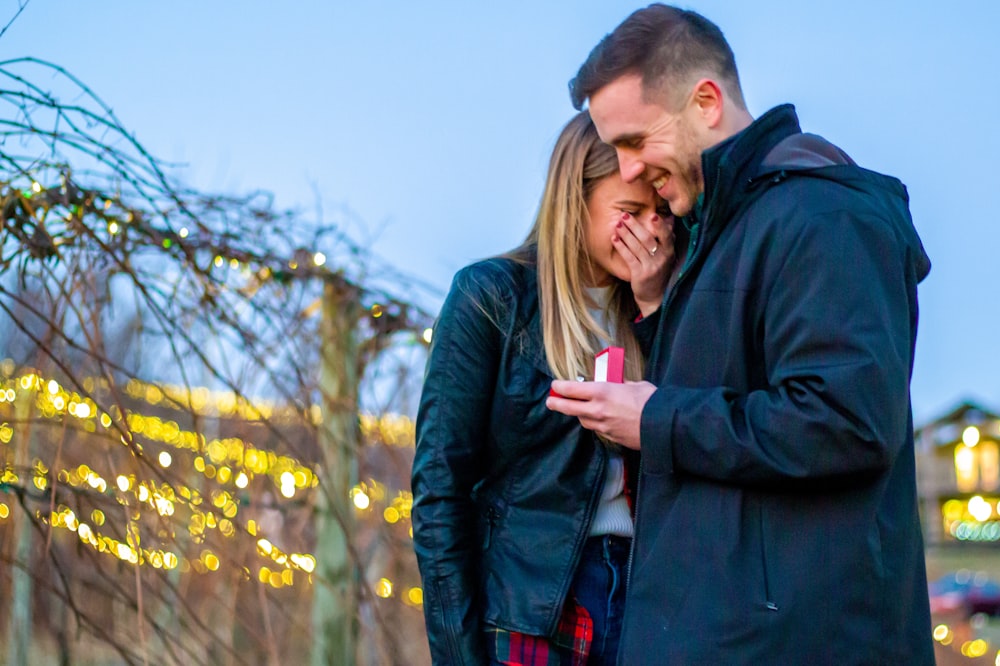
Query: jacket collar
(729, 165)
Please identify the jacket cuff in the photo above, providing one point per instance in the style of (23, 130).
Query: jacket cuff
(656, 433)
(644, 329)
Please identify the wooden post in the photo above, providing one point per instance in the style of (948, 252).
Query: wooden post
(19, 622)
(335, 588)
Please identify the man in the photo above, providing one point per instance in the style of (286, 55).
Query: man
(776, 514)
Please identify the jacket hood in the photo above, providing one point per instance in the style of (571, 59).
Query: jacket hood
(810, 155)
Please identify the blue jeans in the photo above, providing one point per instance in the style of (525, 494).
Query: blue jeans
(599, 586)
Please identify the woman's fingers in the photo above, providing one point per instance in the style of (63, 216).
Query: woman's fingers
(633, 236)
(653, 240)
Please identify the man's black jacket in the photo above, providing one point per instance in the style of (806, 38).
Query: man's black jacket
(777, 507)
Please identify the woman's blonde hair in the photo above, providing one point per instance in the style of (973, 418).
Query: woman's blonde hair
(571, 334)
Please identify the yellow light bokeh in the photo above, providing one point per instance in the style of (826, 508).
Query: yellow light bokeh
(383, 588)
(980, 509)
(305, 562)
(975, 648)
(953, 509)
(275, 580)
(211, 560)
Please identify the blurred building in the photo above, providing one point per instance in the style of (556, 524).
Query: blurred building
(958, 476)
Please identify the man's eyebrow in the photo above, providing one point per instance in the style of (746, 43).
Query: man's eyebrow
(625, 139)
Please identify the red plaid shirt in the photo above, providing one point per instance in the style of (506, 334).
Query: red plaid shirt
(569, 645)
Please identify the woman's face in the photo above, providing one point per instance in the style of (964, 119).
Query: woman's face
(609, 200)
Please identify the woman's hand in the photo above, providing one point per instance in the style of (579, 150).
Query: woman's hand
(648, 249)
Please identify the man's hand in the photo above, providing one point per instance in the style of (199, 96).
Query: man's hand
(611, 410)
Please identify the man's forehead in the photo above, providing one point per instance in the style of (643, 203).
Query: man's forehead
(619, 110)
(626, 88)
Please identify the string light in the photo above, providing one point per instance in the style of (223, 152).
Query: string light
(54, 401)
(66, 221)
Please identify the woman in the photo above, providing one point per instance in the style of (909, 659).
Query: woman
(521, 522)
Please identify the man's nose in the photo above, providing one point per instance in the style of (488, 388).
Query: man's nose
(631, 167)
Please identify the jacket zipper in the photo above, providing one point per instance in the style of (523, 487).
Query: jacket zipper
(696, 245)
(492, 514)
(635, 531)
(578, 550)
(768, 599)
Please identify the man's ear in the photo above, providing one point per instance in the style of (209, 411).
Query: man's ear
(706, 98)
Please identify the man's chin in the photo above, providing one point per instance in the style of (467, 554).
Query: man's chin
(679, 208)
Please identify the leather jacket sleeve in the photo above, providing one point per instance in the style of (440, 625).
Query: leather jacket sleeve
(451, 439)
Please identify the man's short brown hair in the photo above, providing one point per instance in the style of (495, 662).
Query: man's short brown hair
(667, 47)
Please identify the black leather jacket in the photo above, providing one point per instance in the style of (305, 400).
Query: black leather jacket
(504, 489)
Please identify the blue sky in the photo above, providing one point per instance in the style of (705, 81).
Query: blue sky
(426, 126)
